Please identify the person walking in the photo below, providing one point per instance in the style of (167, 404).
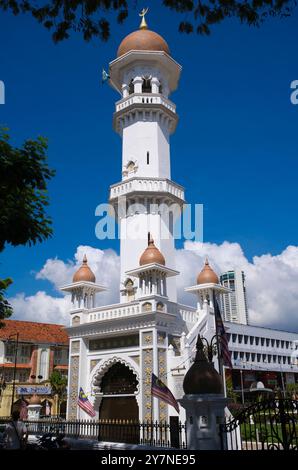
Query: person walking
(16, 434)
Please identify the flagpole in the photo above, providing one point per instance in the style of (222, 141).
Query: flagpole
(219, 351)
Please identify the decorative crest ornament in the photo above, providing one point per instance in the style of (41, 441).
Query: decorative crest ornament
(143, 24)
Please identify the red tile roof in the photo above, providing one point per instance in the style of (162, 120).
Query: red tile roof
(35, 332)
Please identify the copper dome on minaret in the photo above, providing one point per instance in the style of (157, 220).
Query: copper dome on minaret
(202, 378)
(84, 273)
(152, 254)
(143, 40)
(207, 275)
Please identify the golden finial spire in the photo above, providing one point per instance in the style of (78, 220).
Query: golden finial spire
(143, 24)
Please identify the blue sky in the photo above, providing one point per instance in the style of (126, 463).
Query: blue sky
(235, 148)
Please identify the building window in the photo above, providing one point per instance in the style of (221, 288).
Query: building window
(272, 343)
(267, 342)
(146, 85)
(239, 339)
(160, 307)
(23, 376)
(251, 340)
(75, 321)
(131, 87)
(147, 158)
(234, 337)
(262, 341)
(43, 363)
(245, 339)
(147, 307)
(257, 340)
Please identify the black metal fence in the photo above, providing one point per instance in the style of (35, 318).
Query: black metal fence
(267, 425)
(157, 434)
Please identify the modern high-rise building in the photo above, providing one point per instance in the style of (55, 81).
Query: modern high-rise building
(234, 303)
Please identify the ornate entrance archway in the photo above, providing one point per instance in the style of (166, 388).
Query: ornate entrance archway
(118, 410)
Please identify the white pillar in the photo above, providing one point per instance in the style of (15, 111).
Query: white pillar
(204, 413)
(155, 85)
(138, 82)
(125, 90)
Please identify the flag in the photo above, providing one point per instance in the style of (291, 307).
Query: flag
(85, 404)
(104, 76)
(48, 408)
(160, 390)
(220, 330)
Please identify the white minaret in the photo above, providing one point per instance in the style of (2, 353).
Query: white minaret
(146, 200)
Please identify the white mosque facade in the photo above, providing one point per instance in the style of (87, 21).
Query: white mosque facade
(114, 349)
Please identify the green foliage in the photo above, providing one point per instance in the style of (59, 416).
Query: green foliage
(23, 192)
(90, 17)
(292, 390)
(5, 307)
(24, 174)
(231, 394)
(58, 383)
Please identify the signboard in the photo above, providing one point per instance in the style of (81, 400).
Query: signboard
(38, 390)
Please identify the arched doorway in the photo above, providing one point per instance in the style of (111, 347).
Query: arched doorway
(119, 411)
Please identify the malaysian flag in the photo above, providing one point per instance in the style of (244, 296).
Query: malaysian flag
(160, 390)
(220, 330)
(85, 404)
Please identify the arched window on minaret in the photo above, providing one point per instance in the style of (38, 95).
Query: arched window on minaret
(131, 87)
(146, 86)
(160, 88)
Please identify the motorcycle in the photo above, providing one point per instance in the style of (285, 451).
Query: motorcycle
(51, 441)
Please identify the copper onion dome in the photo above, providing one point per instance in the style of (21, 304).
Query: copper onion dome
(84, 273)
(202, 378)
(35, 400)
(152, 254)
(207, 275)
(143, 40)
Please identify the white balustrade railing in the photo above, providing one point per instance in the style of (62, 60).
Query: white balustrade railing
(189, 316)
(146, 184)
(143, 98)
(115, 312)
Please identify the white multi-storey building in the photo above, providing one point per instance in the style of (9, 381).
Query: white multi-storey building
(114, 349)
(234, 302)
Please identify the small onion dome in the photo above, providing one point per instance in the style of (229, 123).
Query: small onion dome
(207, 275)
(202, 378)
(84, 273)
(152, 255)
(35, 400)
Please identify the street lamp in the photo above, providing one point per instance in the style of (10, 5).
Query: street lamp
(211, 346)
(242, 390)
(16, 344)
(282, 380)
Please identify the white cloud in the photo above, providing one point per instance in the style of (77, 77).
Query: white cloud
(41, 307)
(54, 309)
(271, 282)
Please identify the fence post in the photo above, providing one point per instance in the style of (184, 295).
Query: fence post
(174, 432)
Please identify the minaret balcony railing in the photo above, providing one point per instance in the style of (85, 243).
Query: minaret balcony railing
(145, 185)
(144, 98)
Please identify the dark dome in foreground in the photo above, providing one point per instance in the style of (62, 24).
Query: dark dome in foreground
(202, 378)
